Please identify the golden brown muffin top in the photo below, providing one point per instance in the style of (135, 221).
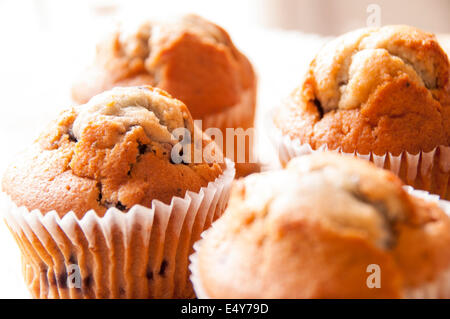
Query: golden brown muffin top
(311, 231)
(191, 58)
(384, 90)
(114, 151)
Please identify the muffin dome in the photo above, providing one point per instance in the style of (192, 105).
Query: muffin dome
(114, 151)
(191, 58)
(374, 90)
(312, 230)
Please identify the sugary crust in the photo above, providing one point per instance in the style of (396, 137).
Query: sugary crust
(191, 58)
(311, 231)
(373, 90)
(113, 151)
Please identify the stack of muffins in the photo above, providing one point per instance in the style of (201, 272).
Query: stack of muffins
(110, 201)
(192, 59)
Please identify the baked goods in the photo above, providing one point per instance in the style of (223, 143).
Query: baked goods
(112, 152)
(191, 58)
(317, 228)
(99, 190)
(383, 93)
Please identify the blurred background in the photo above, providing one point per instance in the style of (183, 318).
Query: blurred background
(326, 17)
(45, 44)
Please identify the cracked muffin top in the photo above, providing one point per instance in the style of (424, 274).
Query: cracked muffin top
(312, 229)
(383, 90)
(114, 151)
(191, 58)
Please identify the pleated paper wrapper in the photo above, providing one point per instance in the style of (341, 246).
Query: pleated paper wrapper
(423, 170)
(142, 253)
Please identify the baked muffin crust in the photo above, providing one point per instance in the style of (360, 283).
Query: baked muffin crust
(114, 151)
(311, 230)
(373, 90)
(191, 58)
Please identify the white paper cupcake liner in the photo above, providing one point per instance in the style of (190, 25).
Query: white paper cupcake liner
(409, 167)
(438, 288)
(142, 253)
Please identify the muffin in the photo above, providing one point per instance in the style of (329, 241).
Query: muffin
(325, 227)
(99, 207)
(381, 93)
(192, 59)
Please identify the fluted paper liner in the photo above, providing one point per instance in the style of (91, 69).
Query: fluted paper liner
(142, 253)
(414, 169)
(438, 288)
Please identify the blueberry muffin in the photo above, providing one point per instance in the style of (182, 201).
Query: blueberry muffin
(325, 227)
(100, 188)
(383, 93)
